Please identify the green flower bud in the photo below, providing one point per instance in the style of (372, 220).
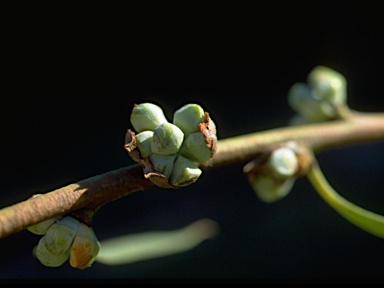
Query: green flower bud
(60, 235)
(46, 257)
(85, 248)
(188, 118)
(163, 163)
(167, 139)
(270, 190)
(143, 142)
(327, 84)
(195, 148)
(185, 172)
(283, 162)
(302, 99)
(42, 227)
(147, 116)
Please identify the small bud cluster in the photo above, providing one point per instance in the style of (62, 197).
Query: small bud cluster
(170, 153)
(65, 238)
(273, 173)
(320, 98)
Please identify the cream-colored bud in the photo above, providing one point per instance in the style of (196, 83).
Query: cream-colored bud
(195, 148)
(283, 162)
(327, 84)
(85, 247)
(60, 235)
(47, 258)
(188, 118)
(163, 163)
(167, 139)
(147, 116)
(143, 142)
(270, 190)
(185, 172)
(42, 227)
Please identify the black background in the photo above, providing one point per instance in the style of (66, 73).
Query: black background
(73, 69)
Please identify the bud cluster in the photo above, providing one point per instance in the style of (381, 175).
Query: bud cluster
(170, 153)
(320, 98)
(65, 238)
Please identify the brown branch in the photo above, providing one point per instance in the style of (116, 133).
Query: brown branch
(92, 193)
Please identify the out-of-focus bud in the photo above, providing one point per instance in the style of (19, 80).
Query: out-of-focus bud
(85, 248)
(195, 148)
(270, 190)
(143, 142)
(163, 163)
(327, 84)
(60, 235)
(283, 162)
(42, 227)
(188, 118)
(147, 116)
(167, 139)
(185, 172)
(46, 257)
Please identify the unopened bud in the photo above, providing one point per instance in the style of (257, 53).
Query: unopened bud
(143, 142)
(283, 162)
(185, 172)
(167, 139)
(195, 148)
(147, 116)
(163, 163)
(188, 118)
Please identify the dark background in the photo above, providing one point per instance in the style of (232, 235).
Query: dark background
(72, 71)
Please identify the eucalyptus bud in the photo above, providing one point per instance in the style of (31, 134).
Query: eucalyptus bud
(167, 139)
(60, 235)
(327, 84)
(188, 118)
(85, 247)
(195, 148)
(163, 163)
(283, 162)
(147, 116)
(270, 190)
(143, 142)
(46, 257)
(41, 228)
(185, 172)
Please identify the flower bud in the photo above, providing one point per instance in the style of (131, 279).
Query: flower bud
(328, 85)
(163, 163)
(85, 248)
(143, 142)
(46, 257)
(147, 116)
(167, 139)
(283, 162)
(42, 227)
(60, 235)
(269, 190)
(188, 118)
(195, 148)
(185, 172)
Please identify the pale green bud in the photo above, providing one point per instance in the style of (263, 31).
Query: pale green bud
(270, 190)
(60, 235)
(185, 172)
(85, 248)
(302, 99)
(143, 142)
(188, 118)
(163, 163)
(147, 116)
(195, 148)
(167, 139)
(47, 258)
(42, 227)
(283, 162)
(327, 84)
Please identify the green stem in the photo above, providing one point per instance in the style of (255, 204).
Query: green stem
(366, 220)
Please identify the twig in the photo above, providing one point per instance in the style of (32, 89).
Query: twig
(90, 194)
